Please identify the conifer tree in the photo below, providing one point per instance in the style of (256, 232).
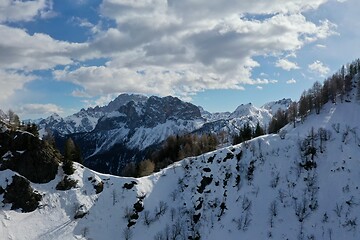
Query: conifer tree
(293, 112)
(69, 156)
(303, 106)
(258, 130)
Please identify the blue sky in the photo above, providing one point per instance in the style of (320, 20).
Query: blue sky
(61, 56)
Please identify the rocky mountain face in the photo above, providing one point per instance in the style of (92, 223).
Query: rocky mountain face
(127, 134)
(84, 120)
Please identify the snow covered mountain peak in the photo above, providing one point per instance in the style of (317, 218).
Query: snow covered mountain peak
(121, 100)
(86, 120)
(274, 106)
(244, 110)
(251, 114)
(55, 117)
(149, 113)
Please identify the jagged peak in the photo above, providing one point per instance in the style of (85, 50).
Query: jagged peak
(274, 106)
(244, 110)
(55, 117)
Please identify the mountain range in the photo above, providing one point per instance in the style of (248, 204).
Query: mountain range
(300, 184)
(130, 127)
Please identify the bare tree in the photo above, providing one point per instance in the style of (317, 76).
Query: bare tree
(273, 212)
(127, 233)
(293, 113)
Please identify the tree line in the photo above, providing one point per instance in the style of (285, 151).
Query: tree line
(173, 149)
(334, 88)
(246, 133)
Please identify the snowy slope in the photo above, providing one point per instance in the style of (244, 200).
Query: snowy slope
(266, 188)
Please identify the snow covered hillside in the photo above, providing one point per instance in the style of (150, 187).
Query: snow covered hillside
(303, 184)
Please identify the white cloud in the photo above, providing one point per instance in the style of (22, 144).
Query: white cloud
(10, 81)
(156, 80)
(213, 47)
(20, 50)
(263, 81)
(181, 47)
(291, 81)
(13, 11)
(101, 101)
(259, 87)
(39, 109)
(318, 67)
(286, 64)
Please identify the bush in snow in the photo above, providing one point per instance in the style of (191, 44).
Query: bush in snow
(21, 195)
(66, 183)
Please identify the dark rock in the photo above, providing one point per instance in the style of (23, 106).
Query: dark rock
(81, 212)
(206, 169)
(138, 206)
(204, 182)
(99, 187)
(129, 185)
(196, 217)
(228, 156)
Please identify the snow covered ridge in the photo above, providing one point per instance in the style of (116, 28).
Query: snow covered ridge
(304, 185)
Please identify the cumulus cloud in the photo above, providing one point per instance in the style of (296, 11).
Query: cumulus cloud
(101, 80)
(12, 11)
(168, 46)
(10, 81)
(286, 64)
(291, 81)
(318, 67)
(39, 109)
(20, 50)
(183, 47)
